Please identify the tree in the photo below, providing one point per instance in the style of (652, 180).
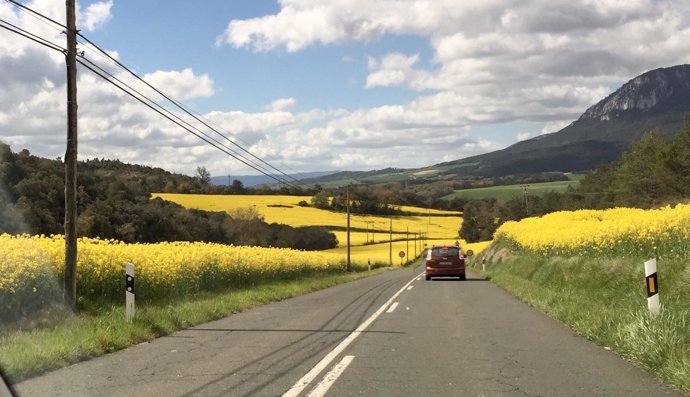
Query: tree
(237, 187)
(596, 187)
(642, 177)
(320, 200)
(480, 220)
(203, 175)
(679, 160)
(249, 227)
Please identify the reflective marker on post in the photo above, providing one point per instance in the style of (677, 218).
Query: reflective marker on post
(129, 292)
(652, 286)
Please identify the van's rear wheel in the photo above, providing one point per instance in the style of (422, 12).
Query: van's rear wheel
(428, 278)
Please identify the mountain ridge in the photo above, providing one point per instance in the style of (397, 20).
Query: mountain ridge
(658, 98)
(655, 99)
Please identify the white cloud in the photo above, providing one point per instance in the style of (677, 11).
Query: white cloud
(493, 61)
(555, 126)
(548, 128)
(95, 15)
(301, 23)
(281, 104)
(523, 136)
(392, 69)
(181, 84)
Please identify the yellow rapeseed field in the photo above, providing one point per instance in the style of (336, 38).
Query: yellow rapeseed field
(285, 210)
(32, 265)
(613, 232)
(369, 236)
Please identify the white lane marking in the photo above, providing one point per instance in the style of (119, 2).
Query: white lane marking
(297, 388)
(330, 378)
(410, 287)
(392, 308)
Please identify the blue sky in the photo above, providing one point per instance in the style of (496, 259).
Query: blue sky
(177, 35)
(333, 84)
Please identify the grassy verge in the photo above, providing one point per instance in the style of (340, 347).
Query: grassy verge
(61, 340)
(605, 300)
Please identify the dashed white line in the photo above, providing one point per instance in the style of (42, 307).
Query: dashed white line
(410, 287)
(330, 378)
(392, 308)
(301, 384)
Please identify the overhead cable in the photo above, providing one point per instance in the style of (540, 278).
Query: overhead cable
(181, 107)
(151, 105)
(147, 101)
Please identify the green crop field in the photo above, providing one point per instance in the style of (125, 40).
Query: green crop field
(507, 192)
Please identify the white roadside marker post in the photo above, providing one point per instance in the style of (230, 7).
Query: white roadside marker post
(129, 292)
(653, 303)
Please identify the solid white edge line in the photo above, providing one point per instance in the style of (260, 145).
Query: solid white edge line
(392, 308)
(301, 384)
(330, 378)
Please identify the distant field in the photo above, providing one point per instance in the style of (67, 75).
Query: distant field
(507, 192)
(436, 224)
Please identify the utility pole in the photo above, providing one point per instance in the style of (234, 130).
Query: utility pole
(70, 274)
(524, 195)
(390, 244)
(407, 240)
(347, 197)
(428, 223)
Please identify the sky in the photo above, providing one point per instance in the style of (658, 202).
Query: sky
(317, 85)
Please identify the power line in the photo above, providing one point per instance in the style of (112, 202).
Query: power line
(103, 74)
(35, 38)
(168, 114)
(181, 107)
(150, 101)
(151, 104)
(36, 13)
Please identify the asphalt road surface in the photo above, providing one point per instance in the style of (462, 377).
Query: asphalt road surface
(390, 335)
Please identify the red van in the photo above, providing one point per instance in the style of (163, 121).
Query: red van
(445, 261)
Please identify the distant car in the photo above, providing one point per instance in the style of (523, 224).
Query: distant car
(445, 261)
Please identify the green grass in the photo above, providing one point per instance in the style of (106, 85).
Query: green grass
(31, 348)
(387, 178)
(504, 193)
(605, 300)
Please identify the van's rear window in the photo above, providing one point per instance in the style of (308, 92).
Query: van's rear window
(445, 251)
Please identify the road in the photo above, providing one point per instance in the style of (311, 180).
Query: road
(388, 335)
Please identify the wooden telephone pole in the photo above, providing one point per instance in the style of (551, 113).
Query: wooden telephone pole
(347, 197)
(524, 195)
(70, 274)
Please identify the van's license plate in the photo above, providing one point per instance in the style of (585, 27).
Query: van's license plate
(445, 263)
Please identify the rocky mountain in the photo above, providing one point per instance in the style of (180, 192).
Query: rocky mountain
(656, 99)
(657, 90)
